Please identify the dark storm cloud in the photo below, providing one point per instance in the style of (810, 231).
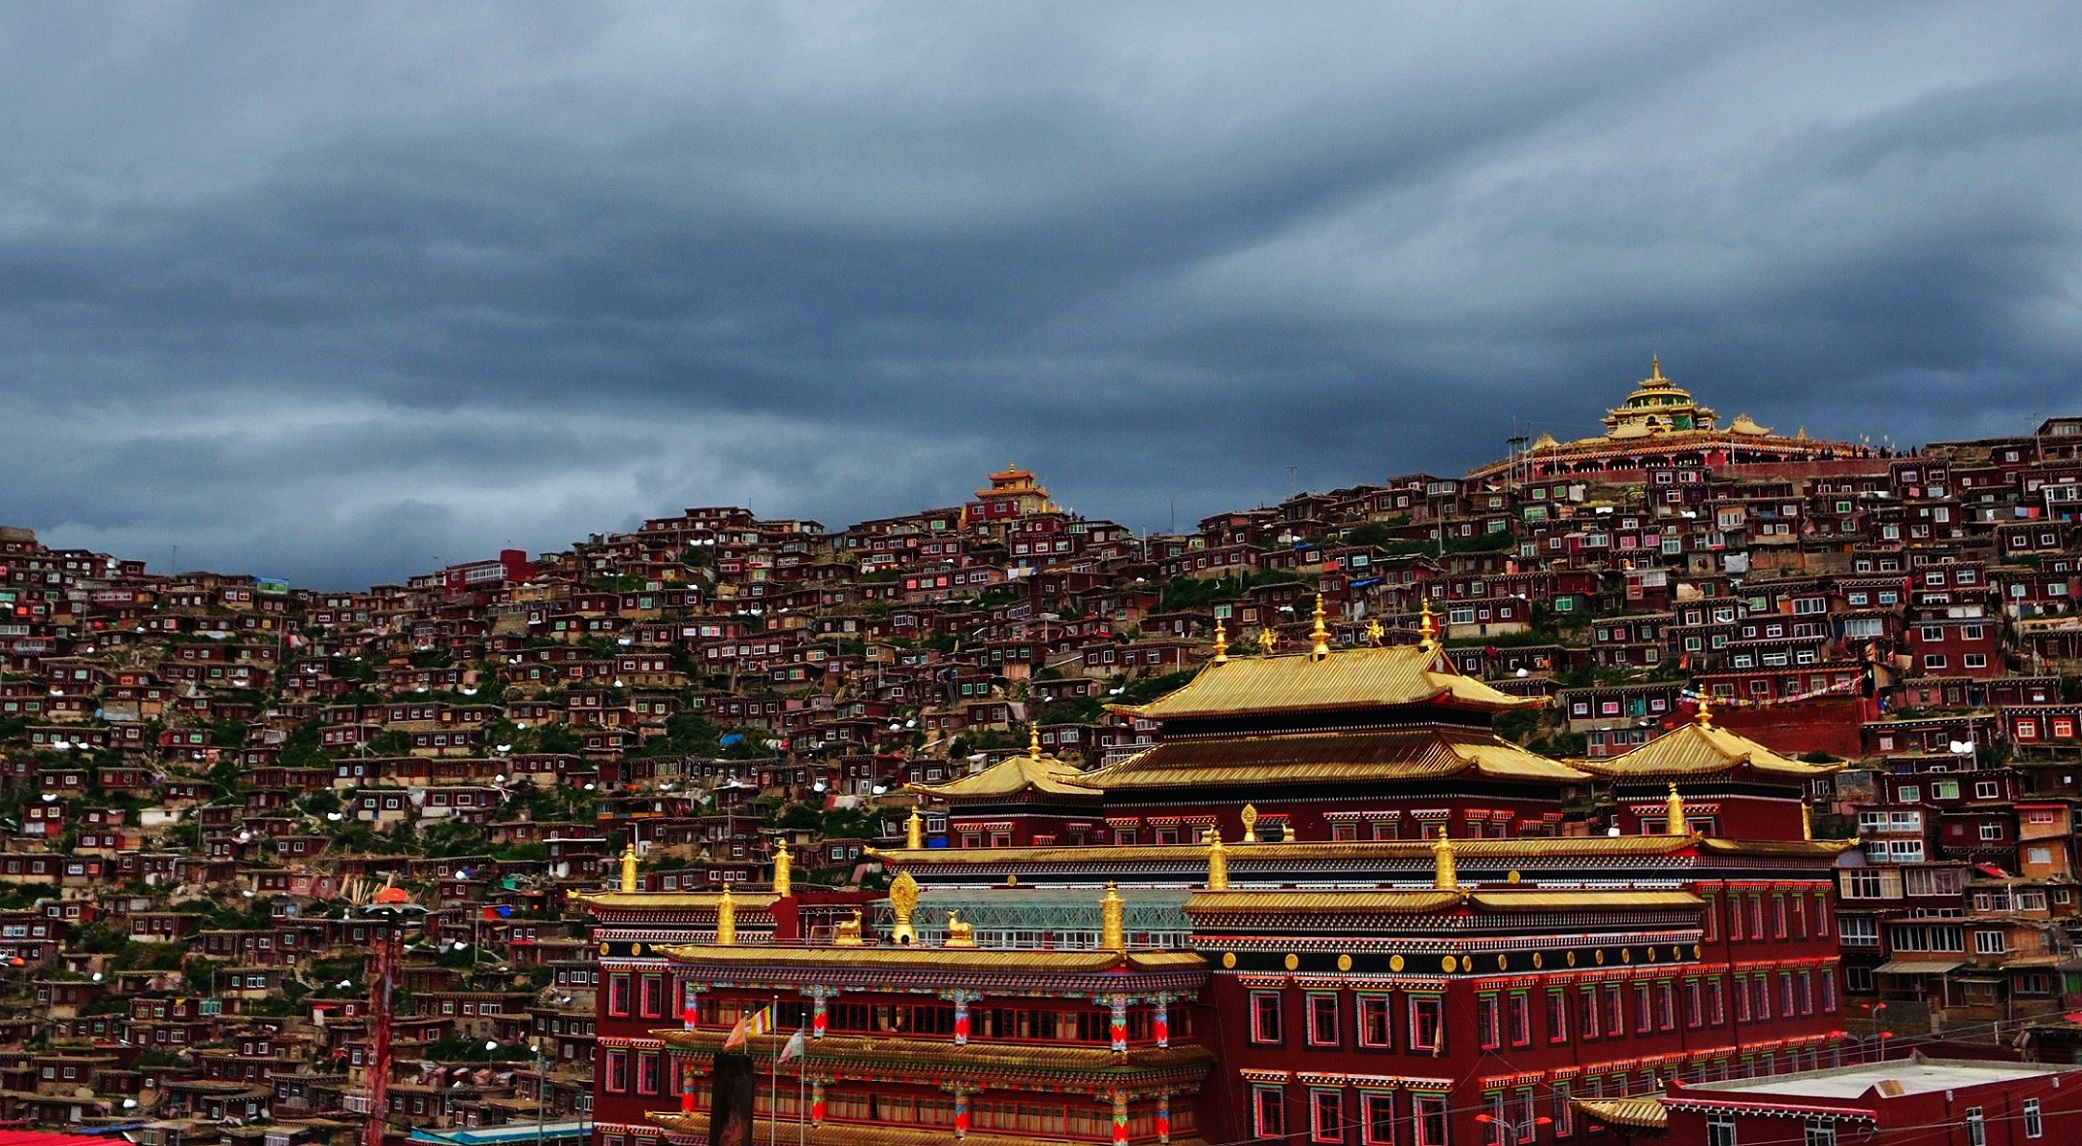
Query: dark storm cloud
(341, 293)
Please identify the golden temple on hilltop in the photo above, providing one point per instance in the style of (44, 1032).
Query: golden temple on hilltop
(1661, 425)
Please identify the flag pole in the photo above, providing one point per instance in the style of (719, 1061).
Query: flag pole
(773, 1112)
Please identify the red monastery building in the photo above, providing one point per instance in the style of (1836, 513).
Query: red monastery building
(1329, 904)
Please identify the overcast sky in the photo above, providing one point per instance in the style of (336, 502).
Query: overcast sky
(344, 292)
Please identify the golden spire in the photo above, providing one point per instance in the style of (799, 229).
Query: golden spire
(1427, 629)
(1807, 821)
(1445, 876)
(1655, 368)
(1704, 716)
(1319, 634)
(914, 830)
(784, 881)
(1113, 932)
(629, 867)
(1221, 643)
(1250, 823)
(1677, 825)
(1267, 641)
(726, 919)
(1034, 740)
(903, 900)
(1374, 632)
(1217, 861)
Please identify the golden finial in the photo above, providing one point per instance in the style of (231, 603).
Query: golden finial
(914, 830)
(1217, 861)
(959, 934)
(1445, 876)
(1374, 632)
(629, 867)
(1221, 643)
(726, 919)
(1655, 368)
(1113, 932)
(1427, 629)
(1704, 716)
(1319, 634)
(1807, 821)
(1034, 740)
(1250, 824)
(903, 900)
(784, 872)
(1267, 641)
(1677, 825)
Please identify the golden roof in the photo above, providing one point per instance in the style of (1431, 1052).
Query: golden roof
(855, 1134)
(937, 958)
(1421, 900)
(1816, 848)
(1644, 1113)
(1330, 757)
(1536, 899)
(1416, 900)
(1010, 777)
(639, 900)
(1346, 678)
(1700, 749)
(1414, 851)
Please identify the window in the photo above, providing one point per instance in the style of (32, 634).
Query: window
(1326, 1116)
(1821, 1132)
(1976, 1127)
(1615, 1011)
(1587, 1012)
(1322, 1020)
(1486, 1021)
(1991, 831)
(1265, 1016)
(1557, 1017)
(617, 1072)
(2033, 1126)
(1426, 1032)
(1990, 943)
(618, 994)
(1377, 1119)
(1428, 1119)
(652, 996)
(1374, 1030)
(1269, 1111)
(1858, 931)
(1520, 1017)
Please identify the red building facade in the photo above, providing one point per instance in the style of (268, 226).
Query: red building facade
(1370, 920)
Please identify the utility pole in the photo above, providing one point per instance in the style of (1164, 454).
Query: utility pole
(389, 914)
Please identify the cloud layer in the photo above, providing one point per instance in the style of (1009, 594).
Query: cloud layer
(338, 293)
